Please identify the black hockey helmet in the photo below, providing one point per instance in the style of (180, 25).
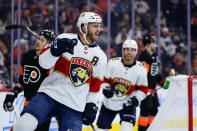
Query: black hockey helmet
(48, 34)
(147, 39)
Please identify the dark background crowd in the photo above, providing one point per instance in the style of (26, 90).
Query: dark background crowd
(40, 14)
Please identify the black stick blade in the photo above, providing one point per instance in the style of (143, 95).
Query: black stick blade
(10, 27)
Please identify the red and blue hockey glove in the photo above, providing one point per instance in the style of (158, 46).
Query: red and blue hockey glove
(89, 114)
(130, 104)
(108, 92)
(62, 45)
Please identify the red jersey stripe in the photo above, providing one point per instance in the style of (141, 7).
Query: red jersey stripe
(95, 84)
(109, 81)
(62, 66)
(131, 89)
(43, 50)
(143, 89)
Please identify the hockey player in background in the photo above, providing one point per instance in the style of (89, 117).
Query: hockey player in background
(125, 86)
(70, 92)
(31, 75)
(149, 106)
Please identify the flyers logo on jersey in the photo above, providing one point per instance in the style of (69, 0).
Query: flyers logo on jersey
(121, 86)
(31, 74)
(80, 71)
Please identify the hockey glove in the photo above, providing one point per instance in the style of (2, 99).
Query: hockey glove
(108, 92)
(130, 104)
(89, 114)
(8, 102)
(62, 45)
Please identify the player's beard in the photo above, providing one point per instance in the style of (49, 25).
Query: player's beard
(128, 57)
(95, 38)
(92, 36)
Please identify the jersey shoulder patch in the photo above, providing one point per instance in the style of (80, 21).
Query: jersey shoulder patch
(116, 58)
(141, 64)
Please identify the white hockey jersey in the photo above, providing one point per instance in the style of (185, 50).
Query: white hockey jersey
(126, 82)
(76, 78)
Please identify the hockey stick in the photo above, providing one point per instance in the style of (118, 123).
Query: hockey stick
(92, 127)
(11, 27)
(153, 91)
(166, 83)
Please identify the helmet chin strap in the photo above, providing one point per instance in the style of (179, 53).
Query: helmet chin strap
(85, 34)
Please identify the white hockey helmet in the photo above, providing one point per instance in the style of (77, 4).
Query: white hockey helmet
(130, 44)
(88, 17)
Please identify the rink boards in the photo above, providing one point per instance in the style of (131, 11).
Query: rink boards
(7, 119)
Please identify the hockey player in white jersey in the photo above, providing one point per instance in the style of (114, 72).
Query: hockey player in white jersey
(70, 92)
(125, 86)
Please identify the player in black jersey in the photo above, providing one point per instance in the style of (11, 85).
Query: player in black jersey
(31, 75)
(149, 106)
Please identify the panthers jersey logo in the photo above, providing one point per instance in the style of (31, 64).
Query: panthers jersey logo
(80, 71)
(31, 74)
(121, 86)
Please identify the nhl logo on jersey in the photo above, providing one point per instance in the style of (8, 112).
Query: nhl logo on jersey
(121, 86)
(80, 71)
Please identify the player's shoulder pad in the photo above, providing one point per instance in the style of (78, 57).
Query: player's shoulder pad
(67, 35)
(103, 57)
(140, 64)
(100, 53)
(115, 59)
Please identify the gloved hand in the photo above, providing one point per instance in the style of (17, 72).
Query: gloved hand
(89, 114)
(108, 92)
(61, 45)
(8, 102)
(131, 103)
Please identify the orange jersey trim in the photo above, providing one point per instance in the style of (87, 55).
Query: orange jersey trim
(26, 103)
(143, 121)
(21, 70)
(147, 66)
(150, 119)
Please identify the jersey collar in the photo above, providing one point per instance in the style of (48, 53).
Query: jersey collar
(128, 65)
(91, 46)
